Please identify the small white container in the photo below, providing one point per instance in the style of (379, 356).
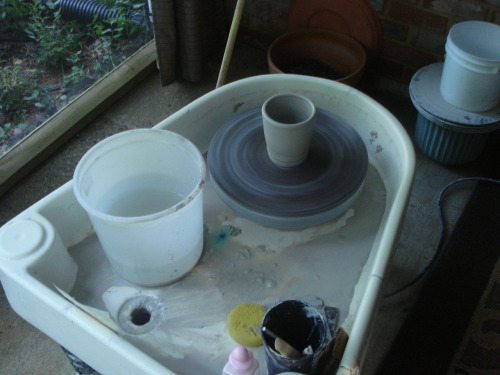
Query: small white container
(288, 121)
(471, 75)
(142, 190)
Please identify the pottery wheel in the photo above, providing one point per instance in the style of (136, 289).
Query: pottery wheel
(313, 192)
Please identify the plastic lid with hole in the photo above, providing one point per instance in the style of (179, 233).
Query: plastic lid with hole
(21, 238)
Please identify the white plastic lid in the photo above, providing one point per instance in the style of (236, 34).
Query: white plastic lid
(426, 96)
(21, 238)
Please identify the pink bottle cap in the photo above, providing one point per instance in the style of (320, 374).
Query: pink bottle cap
(241, 358)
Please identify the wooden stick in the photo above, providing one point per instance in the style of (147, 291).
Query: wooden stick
(235, 24)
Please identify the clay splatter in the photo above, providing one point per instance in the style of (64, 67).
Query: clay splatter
(237, 106)
(226, 232)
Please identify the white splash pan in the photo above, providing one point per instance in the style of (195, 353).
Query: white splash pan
(344, 262)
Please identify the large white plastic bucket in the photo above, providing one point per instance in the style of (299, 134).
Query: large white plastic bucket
(142, 190)
(471, 74)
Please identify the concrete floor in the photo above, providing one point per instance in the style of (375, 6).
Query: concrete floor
(25, 350)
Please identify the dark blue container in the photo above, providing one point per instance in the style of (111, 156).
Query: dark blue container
(299, 324)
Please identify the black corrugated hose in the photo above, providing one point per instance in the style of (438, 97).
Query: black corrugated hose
(84, 11)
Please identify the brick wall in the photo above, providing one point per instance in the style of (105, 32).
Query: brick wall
(414, 31)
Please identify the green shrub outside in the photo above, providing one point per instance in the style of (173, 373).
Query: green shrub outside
(58, 46)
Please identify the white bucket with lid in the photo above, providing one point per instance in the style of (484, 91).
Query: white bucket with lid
(142, 190)
(471, 74)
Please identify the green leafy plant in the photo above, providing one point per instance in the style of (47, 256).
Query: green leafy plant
(47, 55)
(40, 99)
(115, 30)
(76, 75)
(15, 87)
(13, 17)
(58, 44)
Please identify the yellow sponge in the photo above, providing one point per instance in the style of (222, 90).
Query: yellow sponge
(243, 324)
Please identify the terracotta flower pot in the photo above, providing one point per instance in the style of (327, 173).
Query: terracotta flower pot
(318, 52)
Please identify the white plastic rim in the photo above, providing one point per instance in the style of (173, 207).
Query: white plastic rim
(471, 73)
(125, 140)
(477, 43)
